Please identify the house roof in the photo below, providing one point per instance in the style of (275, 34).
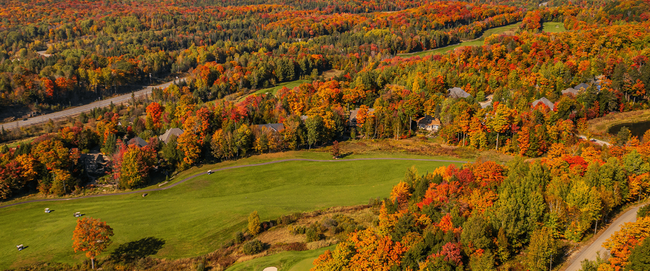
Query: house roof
(457, 93)
(354, 112)
(572, 91)
(304, 117)
(170, 132)
(138, 141)
(581, 86)
(545, 101)
(272, 126)
(428, 120)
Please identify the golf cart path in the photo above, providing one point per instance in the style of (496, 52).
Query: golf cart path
(228, 168)
(589, 252)
(84, 108)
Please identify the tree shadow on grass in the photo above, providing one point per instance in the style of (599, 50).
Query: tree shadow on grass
(137, 249)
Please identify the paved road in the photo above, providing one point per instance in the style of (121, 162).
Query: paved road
(597, 141)
(84, 108)
(597, 246)
(227, 168)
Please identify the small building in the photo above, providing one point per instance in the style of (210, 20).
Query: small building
(457, 93)
(429, 123)
(94, 163)
(487, 102)
(138, 141)
(276, 127)
(169, 133)
(582, 87)
(353, 116)
(304, 118)
(545, 101)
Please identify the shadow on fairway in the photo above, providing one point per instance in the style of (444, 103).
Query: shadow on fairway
(137, 249)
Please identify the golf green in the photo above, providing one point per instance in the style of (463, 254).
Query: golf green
(199, 215)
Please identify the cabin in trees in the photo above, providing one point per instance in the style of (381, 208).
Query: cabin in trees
(353, 116)
(429, 123)
(457, 93)
(169, 133)
(94, 163)
(275, 127)
(544, 101)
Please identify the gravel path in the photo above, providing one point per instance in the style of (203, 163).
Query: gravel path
(84, 108)
(597, 246)
(228, 168)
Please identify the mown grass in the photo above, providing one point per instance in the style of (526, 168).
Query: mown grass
(200, 215)
(284, 261)
(553, 27)
(273, 90)
(476, 42)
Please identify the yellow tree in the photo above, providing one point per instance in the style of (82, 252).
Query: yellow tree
(91, 236)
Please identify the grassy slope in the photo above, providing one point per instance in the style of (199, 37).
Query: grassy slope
(198, 216)
(476, 42)
(284, 261)
(553, 27)
(273, 90)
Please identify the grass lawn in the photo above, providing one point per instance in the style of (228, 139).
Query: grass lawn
(476, 42)
(273, 90)
(284, 261)
(553, 27)
(196, 217)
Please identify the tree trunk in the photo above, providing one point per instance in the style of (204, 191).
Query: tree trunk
(498, 140)
(92, 260)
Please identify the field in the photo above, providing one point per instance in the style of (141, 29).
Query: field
(198, 216)
(553, 27)
(273, 90)
(285, 261)
(475, 42)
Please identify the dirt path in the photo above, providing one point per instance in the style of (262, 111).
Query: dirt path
(597, 246)
(84, 108)
(227, 168)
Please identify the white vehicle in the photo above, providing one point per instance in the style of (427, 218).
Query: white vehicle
(47, 210)
(209, 172)
(20, 247)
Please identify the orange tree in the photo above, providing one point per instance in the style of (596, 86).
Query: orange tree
(92, 236)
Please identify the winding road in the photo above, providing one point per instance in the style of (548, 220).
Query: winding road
(84, 108)
(589, 252)
(227, 168)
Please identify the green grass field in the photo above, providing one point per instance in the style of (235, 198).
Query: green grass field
(284, 261)
(273, 90)
(198, 216)
(553, 27)
(476, 42)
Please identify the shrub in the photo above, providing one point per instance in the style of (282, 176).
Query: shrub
(313, 235)
(254, 247)
(644, 211)
(239, 238)
(254, 223)
(298, 230)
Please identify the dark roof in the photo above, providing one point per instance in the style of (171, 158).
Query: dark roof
(428, 120)
(138, 141)
(272, 126)
(173, 131)
(457, 93)
(581, 86)
(545, 101)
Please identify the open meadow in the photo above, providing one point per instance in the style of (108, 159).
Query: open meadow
(198, 216)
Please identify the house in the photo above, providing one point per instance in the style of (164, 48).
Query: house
(353, 116)
(169, 133)
(570, 91)
(138, 141)
(429, 123)
(487, 102)
(94, 163)
(545, 101)
(276, 127)
(457, 93)
(304, 118)
(582, 86)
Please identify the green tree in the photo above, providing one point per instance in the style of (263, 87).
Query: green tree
(314, 129)
(541, 250)
(254, 223)
(640, 257)
(170, 152)
(243, 139)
